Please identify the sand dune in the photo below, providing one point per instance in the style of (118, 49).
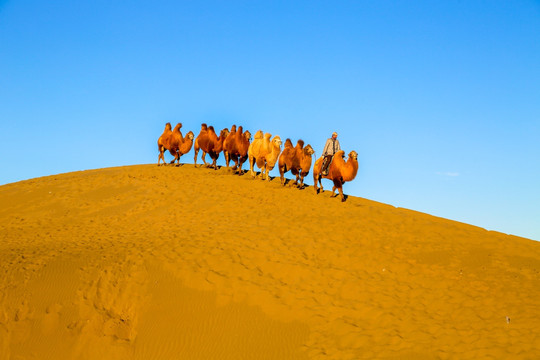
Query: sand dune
(142, 262)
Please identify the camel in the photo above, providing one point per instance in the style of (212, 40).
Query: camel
(264, 153)
(187, 143)
(297, 159)
(170, 140)
(339, 172)
(236, 148)
(210, 144)
(161, 142)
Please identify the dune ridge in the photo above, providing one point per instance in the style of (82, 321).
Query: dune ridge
(147, 262)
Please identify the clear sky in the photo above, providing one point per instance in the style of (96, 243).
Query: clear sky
(441, 99)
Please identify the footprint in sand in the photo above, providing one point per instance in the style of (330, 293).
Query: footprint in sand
(51, 319)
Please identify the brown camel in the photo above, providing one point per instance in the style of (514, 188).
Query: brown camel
(339, 172)
(187, 143)
(297, 159)
(161, 140)
(236, 147)
(210, 144)
(264, 153)
(170, 140)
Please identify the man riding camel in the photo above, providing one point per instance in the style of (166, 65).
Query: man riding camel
(330, 149)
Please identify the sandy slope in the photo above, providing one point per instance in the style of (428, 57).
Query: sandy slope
(143, 262)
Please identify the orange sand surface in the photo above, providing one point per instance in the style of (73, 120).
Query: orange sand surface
(147, 262)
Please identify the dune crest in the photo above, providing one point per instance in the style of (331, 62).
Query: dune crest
(147, 262)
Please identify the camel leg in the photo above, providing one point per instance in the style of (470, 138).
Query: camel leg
(227, 158)
(242, 160)
(160, 157)
(251, 160)
(195, 158)
(318, 189)
(264, 172)
(302, 176)
(341, 193)
(338, 185)
(204, 158)
(239, 167)
(282, 174)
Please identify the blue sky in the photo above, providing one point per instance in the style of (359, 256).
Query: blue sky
(441, 99)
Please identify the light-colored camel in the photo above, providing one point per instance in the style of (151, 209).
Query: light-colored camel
(236, 147)
(210, 144)
(170, 140)
(339, 171)
(264, 152)
(297, 159)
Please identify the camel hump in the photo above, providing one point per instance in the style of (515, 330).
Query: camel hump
(339, 154)
(300, 143)
(211, 128)
(168, 126)
(233, 128)
(204, 126)
(288, 143)
(259, 134)
(177, 127)
(267, 136)
(240, 129)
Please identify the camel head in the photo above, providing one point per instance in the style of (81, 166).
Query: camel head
(224, 133)
(277, 141)
(308, 150)
(247, 135)
(353, 155)
(190, 135)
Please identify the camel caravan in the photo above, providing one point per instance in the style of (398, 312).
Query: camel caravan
(263, 150)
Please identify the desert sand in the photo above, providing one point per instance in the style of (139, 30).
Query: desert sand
(147, 262)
